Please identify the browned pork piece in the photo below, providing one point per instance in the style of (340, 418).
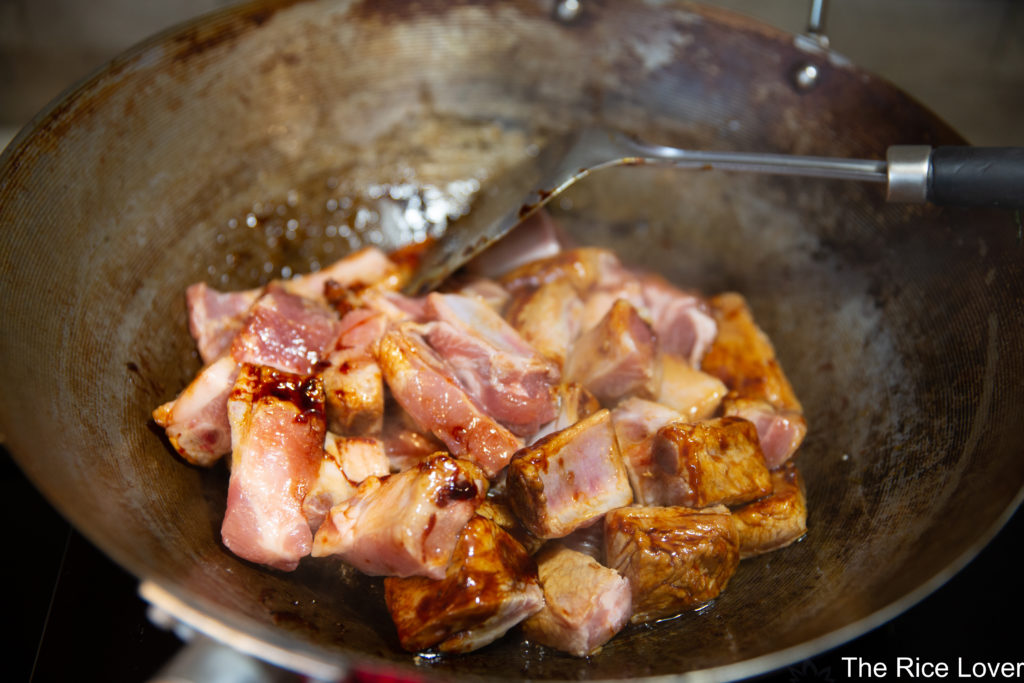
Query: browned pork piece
(196, 422)
(743, 357)
(277, 435)
(423, 384)
(568, 479)
(364, 268)
(498, 511)
(616, 357)
(779, 430)
(776, 520)
(404, 524)
(489, 587)
(585, 603)
(548, 317)
(636, 423)
(674, 558)
(346, 462)
(353, 381)
(695, 394)
(574, 404)
(511, 381)
(583, 268)
(287, 332)
(711, 462)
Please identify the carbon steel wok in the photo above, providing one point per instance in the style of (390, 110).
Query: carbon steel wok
(901, 328)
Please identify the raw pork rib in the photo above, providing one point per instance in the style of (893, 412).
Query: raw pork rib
(196, 422)
(574, 620)
(277, 436)
(404, 524)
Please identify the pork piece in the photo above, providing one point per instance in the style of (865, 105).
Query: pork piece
(353, 382)
(498, 511)
(196, 422)
(286, 332)
(489, 587)
(347, 461)
(780, 431)
(568, 479)
(404, 444)
(711, 462)
(583, 268)
(682, 321)
(425, 387)
(511, 381)
(361, 269)
(538, 237)
(214, 317)
(695, 394)
(743, 357)
(636, 423)
(674, 558)
(616, 357)
(585, 603)
(588, 540)
(776, 520)
(277, 436)
(574, 404)
(404, 524)
(548, 318)
(488, 291)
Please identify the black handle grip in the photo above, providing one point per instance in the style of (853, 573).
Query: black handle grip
(977, 176)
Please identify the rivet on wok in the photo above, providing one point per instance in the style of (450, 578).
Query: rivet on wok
(806, 76)
(568, 11)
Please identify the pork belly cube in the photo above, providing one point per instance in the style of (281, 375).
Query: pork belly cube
(277, 435)
(743, 357)
(511, 381)
(489, 587)
(636, 423)
(425, 387)
(674, 558)
(615, 358)
(568, 479)
(585, 603)
(353, 381)
(776, 520)
(711, 462)
(215, 317)
(286, 332)
(694, 394)
(780, 431)
(347, 461)
(681, 320)
(404, 524)
(574, 404)
(196, 422)
(548, 318)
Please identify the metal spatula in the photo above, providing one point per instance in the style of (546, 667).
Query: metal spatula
(962, 176)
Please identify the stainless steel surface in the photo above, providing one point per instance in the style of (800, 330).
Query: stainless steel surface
(908, 167)
(132, 188)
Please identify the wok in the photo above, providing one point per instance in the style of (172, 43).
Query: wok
(363, 122)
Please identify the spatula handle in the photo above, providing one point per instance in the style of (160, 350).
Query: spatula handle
(957, 176)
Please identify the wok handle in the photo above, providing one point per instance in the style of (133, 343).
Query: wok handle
(957, 176)
(977, 176)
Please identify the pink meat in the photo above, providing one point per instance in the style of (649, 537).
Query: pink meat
(426, 388)
(353, 381)
(681, 321)
(511, 381)
(287, 332)
(196, 422)
(616, 357)
(568, 479)
(404, 524)
(364, 268)
(277, 436)
(780, 431)
(535, 238)
(346, 463)
(214, 317)
(636, 425)
(573, 620)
